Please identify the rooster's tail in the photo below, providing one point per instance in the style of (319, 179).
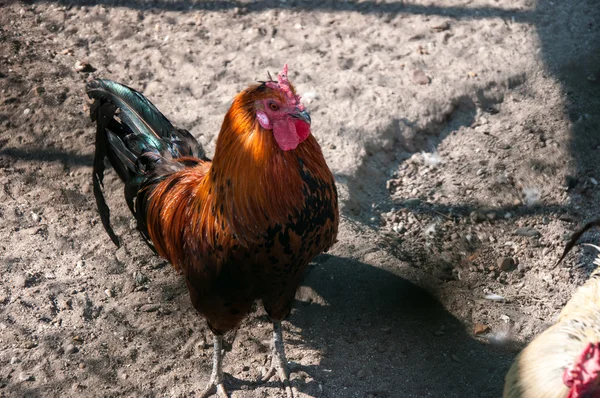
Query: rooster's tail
(132, 134)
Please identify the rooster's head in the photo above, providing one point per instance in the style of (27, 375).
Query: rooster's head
(279, 109)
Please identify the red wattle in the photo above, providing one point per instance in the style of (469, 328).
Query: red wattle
(285, 134)
(289, 133)
(303, 129)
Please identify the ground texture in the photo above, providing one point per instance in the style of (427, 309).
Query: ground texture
(463, 137)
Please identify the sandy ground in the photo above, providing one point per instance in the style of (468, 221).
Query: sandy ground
(463, 137)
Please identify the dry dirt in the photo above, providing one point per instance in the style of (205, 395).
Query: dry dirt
(462, 134)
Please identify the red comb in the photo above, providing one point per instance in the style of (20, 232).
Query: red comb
(283, 79)
(582, 376)
(285, 86)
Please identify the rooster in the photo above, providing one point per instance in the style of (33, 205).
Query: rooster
(240, 228)
(564, 361)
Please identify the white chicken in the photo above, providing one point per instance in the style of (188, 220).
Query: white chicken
(564, 360)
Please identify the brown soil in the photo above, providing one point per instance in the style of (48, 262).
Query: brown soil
(463, 136)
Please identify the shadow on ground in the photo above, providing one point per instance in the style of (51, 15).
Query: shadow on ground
(363, 7)
(392, 333)
(569, 35)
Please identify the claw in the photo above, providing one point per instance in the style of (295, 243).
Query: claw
(212, 388)
(281, 372)
(216, 378)
(278, 362)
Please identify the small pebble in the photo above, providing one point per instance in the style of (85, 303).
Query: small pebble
(140, 278)
(25, 377)
(29, 345)
(38, 90)
(412, 202)
(477, 217)
(83, 66)
(506, 264)
(27, 111)
(419, 77)
(528, 232)
(71, 349)
(441, 27)
(493, 296)
(399, 228)
(480, 329)
(164, 311)
(149, 307)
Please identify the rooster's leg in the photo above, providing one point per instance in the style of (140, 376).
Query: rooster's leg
(216, 378)
(279, 362)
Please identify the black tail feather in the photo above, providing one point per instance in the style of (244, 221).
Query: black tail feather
(573, 241)
(131, 132)
(126, 158)
(102, 114)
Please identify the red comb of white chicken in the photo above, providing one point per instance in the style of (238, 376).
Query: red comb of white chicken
(582, 376)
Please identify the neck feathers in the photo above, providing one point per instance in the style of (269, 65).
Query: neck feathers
(255, 184)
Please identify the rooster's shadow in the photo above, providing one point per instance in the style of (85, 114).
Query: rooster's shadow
(379, 333)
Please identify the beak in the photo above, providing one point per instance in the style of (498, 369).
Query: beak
(302, 115)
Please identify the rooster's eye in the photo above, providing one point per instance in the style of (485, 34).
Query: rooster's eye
(274, 106)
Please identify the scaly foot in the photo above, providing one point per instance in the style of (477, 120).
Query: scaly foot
(214, 387)
(216, 378)
(279, 362)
